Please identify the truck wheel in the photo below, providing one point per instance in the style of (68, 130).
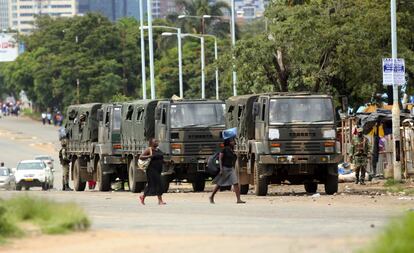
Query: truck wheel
(199, 183)
(165, 183)
(104, 180)
(77, 181)
(133, 185)
(331, 184)
(244, 189)
(260, 182)
(311, 187)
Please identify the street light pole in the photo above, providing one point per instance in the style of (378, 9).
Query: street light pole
(233, 42)
(215, 58)
(395, 106)
(77, 79)
(151, 48)
(203, 84)
(180, 63)
(143, 75)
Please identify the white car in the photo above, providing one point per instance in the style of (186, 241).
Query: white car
(33, 173)
(49, 162)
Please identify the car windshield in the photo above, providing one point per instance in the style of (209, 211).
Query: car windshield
(4, 172)
(197, 115)
(30, 166)
(301, 110)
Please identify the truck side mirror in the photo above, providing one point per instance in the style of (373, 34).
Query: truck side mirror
(256, 109)
(158, 113)
(100, 115)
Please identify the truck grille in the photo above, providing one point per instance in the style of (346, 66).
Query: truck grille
(302, 147)
(200, 148)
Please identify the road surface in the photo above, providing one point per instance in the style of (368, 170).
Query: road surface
(287, 221)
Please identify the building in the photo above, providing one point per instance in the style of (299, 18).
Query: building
(113, 9)
(22, 13)
(161, 8)
(4, 15)
(247, 9)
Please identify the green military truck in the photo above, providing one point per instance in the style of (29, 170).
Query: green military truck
(285, 138)
(189, 132)
(93, 132)
(138, 126)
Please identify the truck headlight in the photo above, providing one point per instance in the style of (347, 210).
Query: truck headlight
(274, 134)
(176, 151)
(329, 133)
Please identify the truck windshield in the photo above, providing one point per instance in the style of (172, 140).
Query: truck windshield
(301, 110)
(197, 115)
(117, 118)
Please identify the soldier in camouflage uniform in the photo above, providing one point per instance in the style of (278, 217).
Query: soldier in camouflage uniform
(64, 161)
(359, 156)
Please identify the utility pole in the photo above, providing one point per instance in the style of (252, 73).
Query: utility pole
(143, 75)
(233, 42)
(203, 66)
(151, 48)
(395, 106)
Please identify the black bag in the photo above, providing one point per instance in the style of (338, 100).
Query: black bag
(213, 164)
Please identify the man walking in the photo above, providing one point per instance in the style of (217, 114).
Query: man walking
(359, 155)
(64, 161)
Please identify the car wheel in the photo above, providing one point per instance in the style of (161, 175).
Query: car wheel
(18, 187)
(45, 186)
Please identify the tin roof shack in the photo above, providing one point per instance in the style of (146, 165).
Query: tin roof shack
(377, 125)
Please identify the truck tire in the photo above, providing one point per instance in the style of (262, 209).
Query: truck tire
(244, 189)
(331, 184)
(78, 184)
(199, 183)
(165, 183)
(104, 180)
(134, 186)
(311, 187)
(260, 182)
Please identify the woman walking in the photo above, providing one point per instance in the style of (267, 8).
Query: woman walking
(227, 175)
(154, 170)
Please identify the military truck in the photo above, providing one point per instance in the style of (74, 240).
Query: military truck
(284, 138)
(93, 132)
(189, 132)
(138, 126)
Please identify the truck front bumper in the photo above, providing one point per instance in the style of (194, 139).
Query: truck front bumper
(300, 159)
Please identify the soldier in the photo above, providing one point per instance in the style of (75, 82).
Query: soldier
(64, 161)
(359, 155)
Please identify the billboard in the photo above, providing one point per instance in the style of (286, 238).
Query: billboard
(9, 49)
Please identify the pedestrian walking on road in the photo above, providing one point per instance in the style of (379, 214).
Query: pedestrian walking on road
(359, 155)
(154, 187)
(227, 175)
(64, 161)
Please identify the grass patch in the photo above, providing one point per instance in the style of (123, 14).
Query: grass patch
(31, 114)
(49, 216)
(395, 187)
(397, 237)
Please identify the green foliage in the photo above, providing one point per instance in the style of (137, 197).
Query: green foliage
(397, 237)
(51, 217)
(7, 228)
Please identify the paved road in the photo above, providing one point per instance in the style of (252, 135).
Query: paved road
(286, 222)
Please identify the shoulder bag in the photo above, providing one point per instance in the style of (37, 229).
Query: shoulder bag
(143, 164)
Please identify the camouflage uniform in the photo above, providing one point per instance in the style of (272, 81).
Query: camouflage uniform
(359, 152)
(64, 161)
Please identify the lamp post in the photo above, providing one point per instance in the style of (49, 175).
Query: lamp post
(180, 64)
(233, 42)
(151, 48)
(143, 75)
(215, 58)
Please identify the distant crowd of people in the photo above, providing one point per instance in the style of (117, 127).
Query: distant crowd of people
(56, 118)
(10, 109)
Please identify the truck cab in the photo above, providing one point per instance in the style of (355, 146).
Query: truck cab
(189, 132)
(291, 138)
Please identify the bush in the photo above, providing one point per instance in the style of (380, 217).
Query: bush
(7, 227)
(397, 237)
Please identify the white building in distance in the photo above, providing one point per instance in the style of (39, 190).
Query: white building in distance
(22, 13)
(4, 15)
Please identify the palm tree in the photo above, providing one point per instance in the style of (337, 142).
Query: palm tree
(216, 26)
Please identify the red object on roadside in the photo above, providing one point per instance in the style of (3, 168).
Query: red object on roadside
(91, 185)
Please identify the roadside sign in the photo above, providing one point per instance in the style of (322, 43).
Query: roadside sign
(393, 71)
(8, 47)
